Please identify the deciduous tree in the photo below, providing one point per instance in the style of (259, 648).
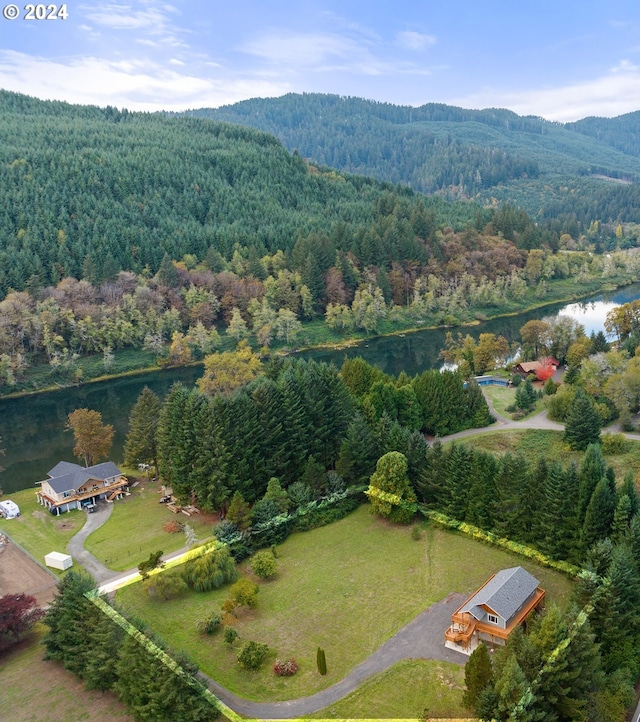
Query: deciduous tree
(93, 439)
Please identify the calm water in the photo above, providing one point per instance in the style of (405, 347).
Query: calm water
(32, 428)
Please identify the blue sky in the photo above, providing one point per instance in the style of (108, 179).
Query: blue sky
(560, 60)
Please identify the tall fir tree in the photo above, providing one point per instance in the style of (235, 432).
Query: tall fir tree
(582, 426)
(140, 446)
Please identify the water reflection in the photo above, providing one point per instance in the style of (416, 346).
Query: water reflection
(32, 429)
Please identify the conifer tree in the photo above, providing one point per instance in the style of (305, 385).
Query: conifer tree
(478, 675)
(583, 424)
(592, 470)
(140, 445)
(70, 620)
(239, 512)
(598, 518)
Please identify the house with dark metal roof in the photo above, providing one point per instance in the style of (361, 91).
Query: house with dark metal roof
(71, 486)
(501, 604)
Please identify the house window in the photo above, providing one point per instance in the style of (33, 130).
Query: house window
(492, 618)
(66, 494)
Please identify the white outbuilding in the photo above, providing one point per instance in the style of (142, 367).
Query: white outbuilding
(58, 560)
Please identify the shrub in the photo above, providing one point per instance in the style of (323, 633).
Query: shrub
(226, 532)
(230, 635)
(212, 568)
(210, 624)
(252, 655)
(285, 667)
(173, 527)
(243, 593)
(264, 565)
(299, 494)
(166, 586)
(151, 563)
(613, 443)
(516, 380)
(321, 661)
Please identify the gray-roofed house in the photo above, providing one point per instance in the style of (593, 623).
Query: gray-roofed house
(501, 604)
(71, 486)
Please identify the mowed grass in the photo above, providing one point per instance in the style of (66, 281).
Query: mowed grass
(502, 397)
(135, 529)
(37, 530)
(415, 688)
(346, 587)
(37, 691)
(535, 443)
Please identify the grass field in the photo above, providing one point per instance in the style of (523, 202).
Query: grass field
(428, 689)
(37, 530)
(37, 691)
(347, 587)
(502, 397)
(533, 443)
(135, 529)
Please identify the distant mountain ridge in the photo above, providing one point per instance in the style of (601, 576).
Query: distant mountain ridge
(488, 155)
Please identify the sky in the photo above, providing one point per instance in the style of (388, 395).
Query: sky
(558, 60)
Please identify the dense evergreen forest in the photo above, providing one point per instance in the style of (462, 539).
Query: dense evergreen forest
(122, 229)
(328, 431)
(87, 191)
(549, 169)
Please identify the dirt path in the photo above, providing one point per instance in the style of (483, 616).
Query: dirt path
(19, 574)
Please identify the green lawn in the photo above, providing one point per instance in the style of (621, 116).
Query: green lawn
(533, 443)
(37, 691)
(135, 529)
(502, 397)
(346, 587)
(429, 689)
(37, 530)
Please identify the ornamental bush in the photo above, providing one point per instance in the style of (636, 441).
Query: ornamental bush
(230, 635)
(210, 624)
(264, 565)
(252, 655)
(285, 667)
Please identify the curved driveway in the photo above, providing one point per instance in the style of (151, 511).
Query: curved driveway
(419, 639)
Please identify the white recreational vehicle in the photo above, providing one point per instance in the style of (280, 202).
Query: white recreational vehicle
(9, 509)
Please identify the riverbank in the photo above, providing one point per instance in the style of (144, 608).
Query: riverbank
(315, 336)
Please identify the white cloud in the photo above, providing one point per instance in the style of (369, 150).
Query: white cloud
(158, 21)
(608, 96)
(625, 66)
(415, 41)
(302, 49)
(137, 84)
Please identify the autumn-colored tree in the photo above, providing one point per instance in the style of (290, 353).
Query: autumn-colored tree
(225, 372)
(93, 439)
(18, 613)
(546, 370)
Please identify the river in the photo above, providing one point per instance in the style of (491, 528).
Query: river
(32, 429)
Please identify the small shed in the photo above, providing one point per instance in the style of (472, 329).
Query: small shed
(9, 509)
(58, 560)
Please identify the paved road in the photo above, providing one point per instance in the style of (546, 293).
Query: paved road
(422, 638)
(75, 547)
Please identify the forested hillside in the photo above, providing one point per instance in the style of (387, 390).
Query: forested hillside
(83, 188)
(548, 168)
(130, 230)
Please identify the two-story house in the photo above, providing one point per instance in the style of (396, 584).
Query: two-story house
(71, 486)
(501, 604)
